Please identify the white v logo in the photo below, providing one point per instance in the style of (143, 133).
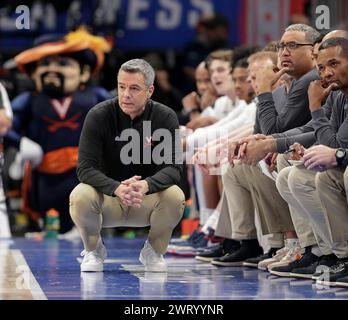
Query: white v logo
(62, 107)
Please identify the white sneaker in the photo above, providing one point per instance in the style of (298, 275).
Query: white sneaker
(292, 255)
(93, 260)
(280, 254)
(71, 235)
(152, 261)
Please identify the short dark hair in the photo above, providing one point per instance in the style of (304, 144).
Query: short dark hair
(336, 42)
(242, 63)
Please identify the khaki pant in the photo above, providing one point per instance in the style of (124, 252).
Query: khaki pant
(302, 225)
(302, 184)
(332, 188)
(92, 210)
(224, 227)
(247, 188)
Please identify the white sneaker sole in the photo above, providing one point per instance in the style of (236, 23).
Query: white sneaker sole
(280, 274)
(300, 275)
(270, 266)
(92, 268)
(250, 264)
(205, 259)
(262, 268)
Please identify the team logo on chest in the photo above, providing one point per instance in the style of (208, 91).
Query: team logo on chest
(61, 107)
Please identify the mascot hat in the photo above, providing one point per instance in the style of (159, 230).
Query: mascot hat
(81, 45)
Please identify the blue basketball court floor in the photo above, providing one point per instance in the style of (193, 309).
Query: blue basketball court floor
(49, 269)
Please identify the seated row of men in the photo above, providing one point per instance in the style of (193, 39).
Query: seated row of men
(281, 156)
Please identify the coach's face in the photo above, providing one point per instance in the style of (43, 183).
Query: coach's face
(296, 53)
(333, 67)
(133, 93)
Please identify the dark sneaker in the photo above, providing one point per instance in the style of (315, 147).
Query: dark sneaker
(339, 270)
(324, 262)
(237, 258)
(208, 255)
(178, 241)
(306, 260)
(203, 242)
(224, 248)
(196, 237)
(254, 262)
(342, 282)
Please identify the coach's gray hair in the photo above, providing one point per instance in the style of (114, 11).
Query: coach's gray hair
(141, 66)
(311, 34)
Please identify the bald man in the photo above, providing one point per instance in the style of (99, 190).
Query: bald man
(336, 34)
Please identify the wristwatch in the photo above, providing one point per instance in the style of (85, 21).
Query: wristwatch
(340, 154)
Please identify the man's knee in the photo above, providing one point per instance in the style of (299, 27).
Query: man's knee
(282, 162)
(232, 173)
(322, 181)
(174, 198)
(301, 180)
(173, 195)
(330, 179)
(85, 196)
(282, 179)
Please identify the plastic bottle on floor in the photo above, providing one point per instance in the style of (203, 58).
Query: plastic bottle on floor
(52, 224)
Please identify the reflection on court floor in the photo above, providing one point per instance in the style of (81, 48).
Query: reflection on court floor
(50, 269)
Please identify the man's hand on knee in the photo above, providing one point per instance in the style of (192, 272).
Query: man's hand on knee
(123, 193)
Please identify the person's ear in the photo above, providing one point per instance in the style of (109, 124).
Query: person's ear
(85, 74)
(150, 91)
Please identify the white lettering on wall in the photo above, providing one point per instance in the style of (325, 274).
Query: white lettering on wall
(135, 7)
(169, 18)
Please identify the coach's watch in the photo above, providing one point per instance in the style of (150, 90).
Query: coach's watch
(340, 154)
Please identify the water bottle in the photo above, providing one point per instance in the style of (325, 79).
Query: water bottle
(52, 224)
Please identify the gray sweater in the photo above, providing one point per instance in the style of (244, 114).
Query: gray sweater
(333, 132)
(320, 129)
(280, 111)
(305, 134)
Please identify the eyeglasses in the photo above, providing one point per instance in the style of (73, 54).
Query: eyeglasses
(291, 45)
